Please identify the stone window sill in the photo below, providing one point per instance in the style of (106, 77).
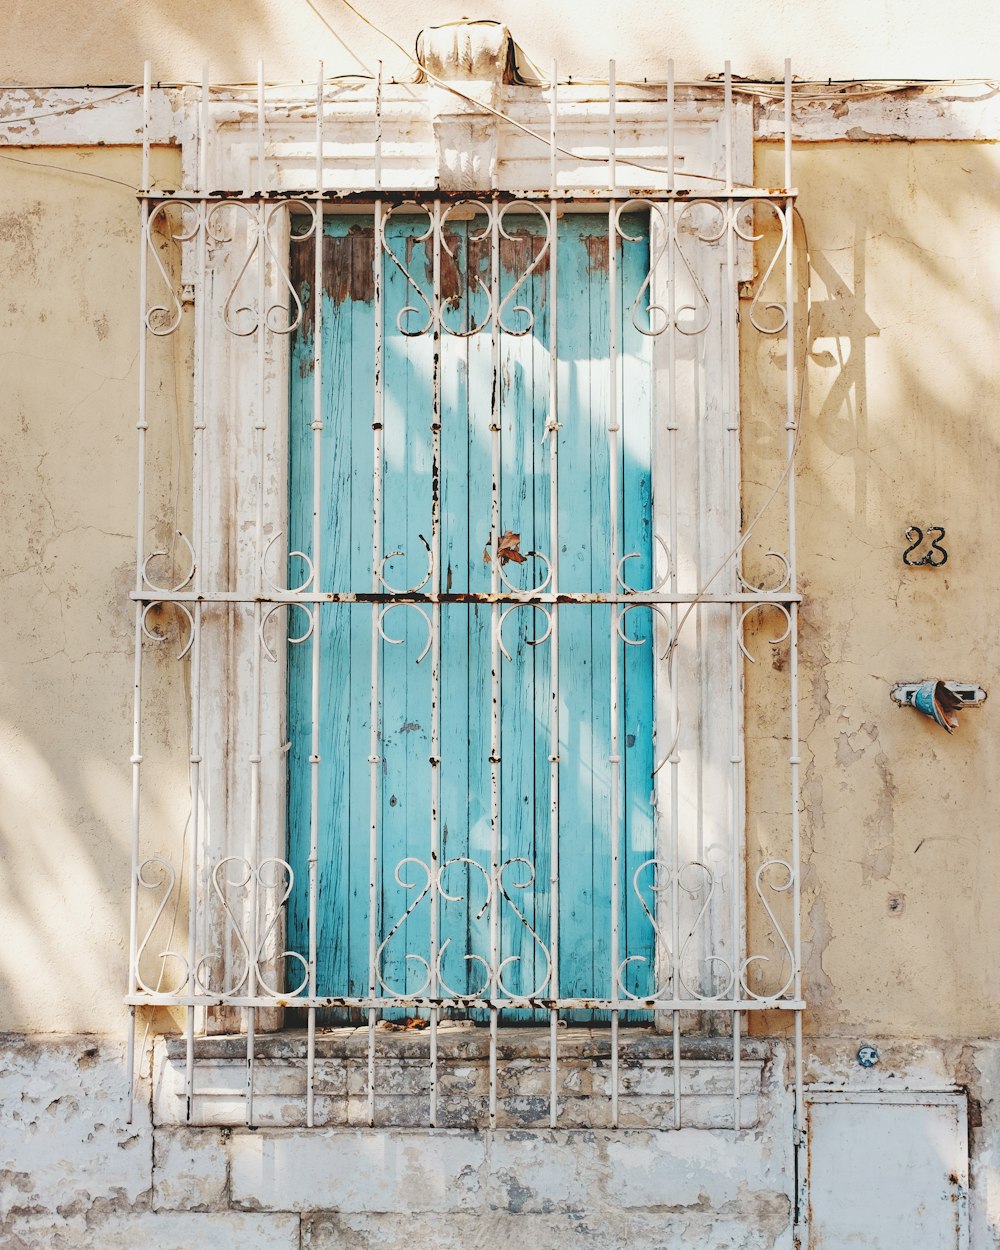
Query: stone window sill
(403, 1077)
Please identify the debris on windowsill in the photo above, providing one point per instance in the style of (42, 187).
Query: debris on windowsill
(939, 700)
(402, 1026)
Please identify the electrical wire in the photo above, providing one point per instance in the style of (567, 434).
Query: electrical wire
(482, 106)
(24, 118)
(743, 88)
(66, 169)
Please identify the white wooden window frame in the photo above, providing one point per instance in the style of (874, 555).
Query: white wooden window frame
(419, 161)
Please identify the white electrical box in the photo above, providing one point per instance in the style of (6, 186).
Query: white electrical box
(888, 1171)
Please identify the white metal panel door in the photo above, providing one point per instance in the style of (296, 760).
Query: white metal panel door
(888, 1171)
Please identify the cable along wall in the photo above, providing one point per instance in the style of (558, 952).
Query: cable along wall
(468, 593)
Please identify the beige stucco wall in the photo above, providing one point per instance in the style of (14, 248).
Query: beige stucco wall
(50, 42)
(899, 820)
(900, 427)
(68, 347)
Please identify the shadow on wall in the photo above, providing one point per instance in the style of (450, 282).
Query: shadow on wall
(104, 43)
(68, 254)
(897, 430)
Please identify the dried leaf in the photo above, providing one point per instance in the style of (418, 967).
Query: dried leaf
(509, 548)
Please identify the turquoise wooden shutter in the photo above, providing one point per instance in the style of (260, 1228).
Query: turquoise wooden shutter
(346, 635)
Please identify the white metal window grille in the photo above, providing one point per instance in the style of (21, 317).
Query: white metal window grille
(722, 924)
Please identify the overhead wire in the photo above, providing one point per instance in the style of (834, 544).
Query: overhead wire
(24, 118)
(744, 88)
(68, 169)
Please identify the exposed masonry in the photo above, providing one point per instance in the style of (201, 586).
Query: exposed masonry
(74, 1174)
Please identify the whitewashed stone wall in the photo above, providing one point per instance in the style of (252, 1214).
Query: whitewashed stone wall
(74, 1173)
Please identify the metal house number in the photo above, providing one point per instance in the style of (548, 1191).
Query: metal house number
(930, 539)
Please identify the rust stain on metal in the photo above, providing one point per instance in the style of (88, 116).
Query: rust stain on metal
(453, 286)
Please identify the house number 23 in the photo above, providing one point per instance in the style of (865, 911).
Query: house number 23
(926, 541)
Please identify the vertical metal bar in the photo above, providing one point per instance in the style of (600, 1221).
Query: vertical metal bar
(315, 657)
(435, 830)
(375, 738)
(259, 427)
(378, 128)
(614, 757)
(198, 456)
(737, 1073)
(731, 357)
(670, 125)
(675, 759)
(791, 436)
(553, 127)
(800, 1232)
(140, 527)
(787, 141)
(494, 655)
(203, 131)
(612, 128)
(727, 123)
(552, 430)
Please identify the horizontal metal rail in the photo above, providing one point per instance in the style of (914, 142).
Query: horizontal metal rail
(424, 1003)
(364, 198)
(522, 598)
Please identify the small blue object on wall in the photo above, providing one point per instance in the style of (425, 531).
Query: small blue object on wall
(867, 1055)
(939, 700)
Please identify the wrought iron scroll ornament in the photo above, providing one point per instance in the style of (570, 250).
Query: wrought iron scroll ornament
(282, 315)
(266, 888)
(253, 923)
(498, 887)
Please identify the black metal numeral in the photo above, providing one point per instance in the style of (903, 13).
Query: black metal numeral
(934, 556)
